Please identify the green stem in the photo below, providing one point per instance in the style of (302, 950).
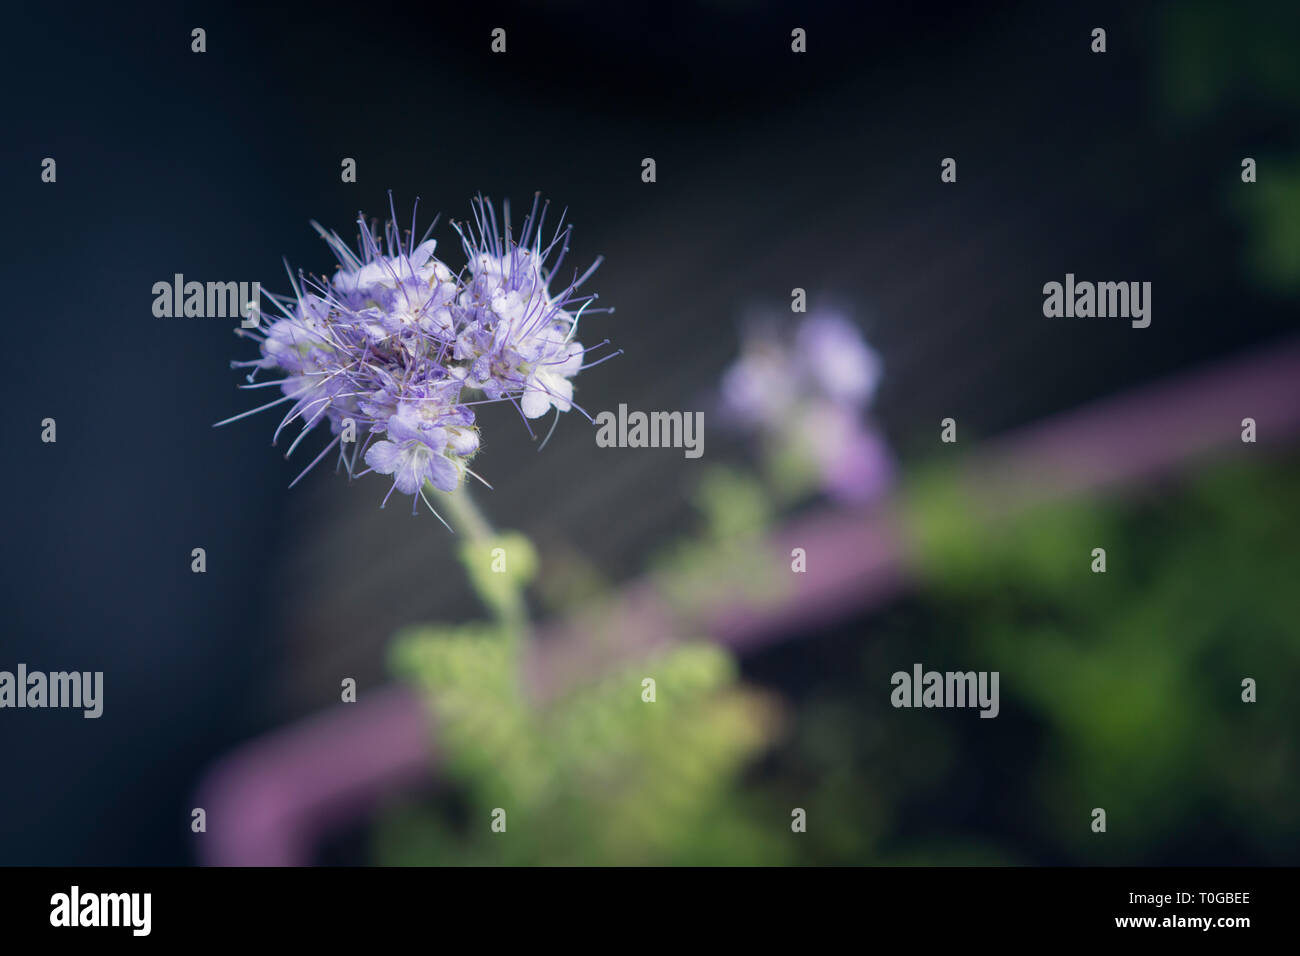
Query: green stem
(466, 519)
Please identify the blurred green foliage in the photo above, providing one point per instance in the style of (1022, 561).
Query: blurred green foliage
(1272, 207)
(600, 774)
(1236, 63)
(1119, 690)
(729, 555)
(1135, 674)
(597, 776)
(1217, 54)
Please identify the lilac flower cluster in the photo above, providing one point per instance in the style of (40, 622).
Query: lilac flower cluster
(395, 349)
(806, 392)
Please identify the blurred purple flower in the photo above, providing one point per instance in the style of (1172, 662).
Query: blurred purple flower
(806, 391)
(836, 360)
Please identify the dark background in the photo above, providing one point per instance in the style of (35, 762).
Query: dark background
(774, 171)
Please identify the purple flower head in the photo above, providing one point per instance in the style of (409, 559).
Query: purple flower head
(391, 351)
(413, 451)
(806, 391)
(516, 322)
